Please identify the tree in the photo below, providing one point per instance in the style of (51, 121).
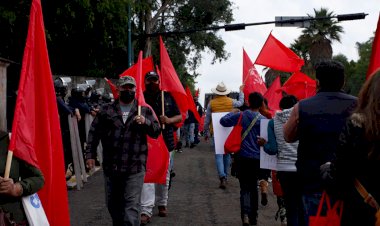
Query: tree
(89, 38)
(314, 44)
(178, 15)
(356, 71)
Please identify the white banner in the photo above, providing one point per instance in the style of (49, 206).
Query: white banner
(34, 211)
(220, 133)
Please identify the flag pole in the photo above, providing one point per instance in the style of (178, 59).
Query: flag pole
(163, 106)
(139, 110)
(8, 164)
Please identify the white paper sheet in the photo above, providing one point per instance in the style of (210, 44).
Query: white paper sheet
(266, 161)
(220, 133)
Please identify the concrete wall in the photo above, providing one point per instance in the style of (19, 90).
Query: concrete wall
(3, 95)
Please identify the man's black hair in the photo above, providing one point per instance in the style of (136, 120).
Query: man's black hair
(255, 100)
(330, 74)
(288, 102)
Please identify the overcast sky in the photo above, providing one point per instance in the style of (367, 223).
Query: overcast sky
(253, 37)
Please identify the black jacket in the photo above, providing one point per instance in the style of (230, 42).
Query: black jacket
(124, 144)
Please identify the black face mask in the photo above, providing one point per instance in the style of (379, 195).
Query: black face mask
(127, 96)
(153, 87)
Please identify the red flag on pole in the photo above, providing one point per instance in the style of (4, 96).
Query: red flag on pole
(158, 154)
(273, 95)
(251, 79)
(36, 134)
(374, 64)
(113, 87)
(147, 65)
(277, 56)
(300, 85)
(192, 107)
(196, 93)
(170, 82)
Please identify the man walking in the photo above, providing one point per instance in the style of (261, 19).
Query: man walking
(316, 123)
(168, 119)
(123, 135)
(221, 103)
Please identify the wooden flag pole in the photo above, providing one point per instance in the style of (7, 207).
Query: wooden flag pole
(139, 110)
(8, 164)
(163, 107)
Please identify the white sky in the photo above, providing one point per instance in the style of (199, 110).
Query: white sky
(253, 37)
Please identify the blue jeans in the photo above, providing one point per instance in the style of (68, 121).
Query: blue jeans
(223, 162)
(123, 197)
(310, 205)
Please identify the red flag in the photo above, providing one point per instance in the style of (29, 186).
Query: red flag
(191, 103)
(158, 154)
(36, 134)
(114, 89)
(374, 65)
(170, 82)
(251, 79)
(277, 56)
(147, 66)
(273, 96)
(196, 93)
(300, 85)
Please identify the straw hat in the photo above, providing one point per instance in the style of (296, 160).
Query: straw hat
(221, 89)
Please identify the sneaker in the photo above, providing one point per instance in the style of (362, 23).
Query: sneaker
(223, 183)
(162, 211)
(145, 219)
(245, 220)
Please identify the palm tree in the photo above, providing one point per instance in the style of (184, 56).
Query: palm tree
(315, 42)
(322, 34)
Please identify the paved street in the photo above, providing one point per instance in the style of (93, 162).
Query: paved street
(194, 199)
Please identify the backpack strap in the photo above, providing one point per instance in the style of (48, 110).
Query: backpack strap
(250, 126)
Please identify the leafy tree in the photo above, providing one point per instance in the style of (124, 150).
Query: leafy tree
(178, 15)
(89, 37)
(14, 24)
(349, 67)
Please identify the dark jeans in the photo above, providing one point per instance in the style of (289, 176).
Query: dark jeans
(196, 135)
(310, 205)
(123, 193)
(293, 197)
(248, 176)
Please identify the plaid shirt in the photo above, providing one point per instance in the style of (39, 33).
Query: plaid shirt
(124, 144)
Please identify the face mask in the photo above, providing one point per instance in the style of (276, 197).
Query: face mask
(153, 87)
(127, 96)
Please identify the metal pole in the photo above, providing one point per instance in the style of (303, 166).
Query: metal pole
(129, 63)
